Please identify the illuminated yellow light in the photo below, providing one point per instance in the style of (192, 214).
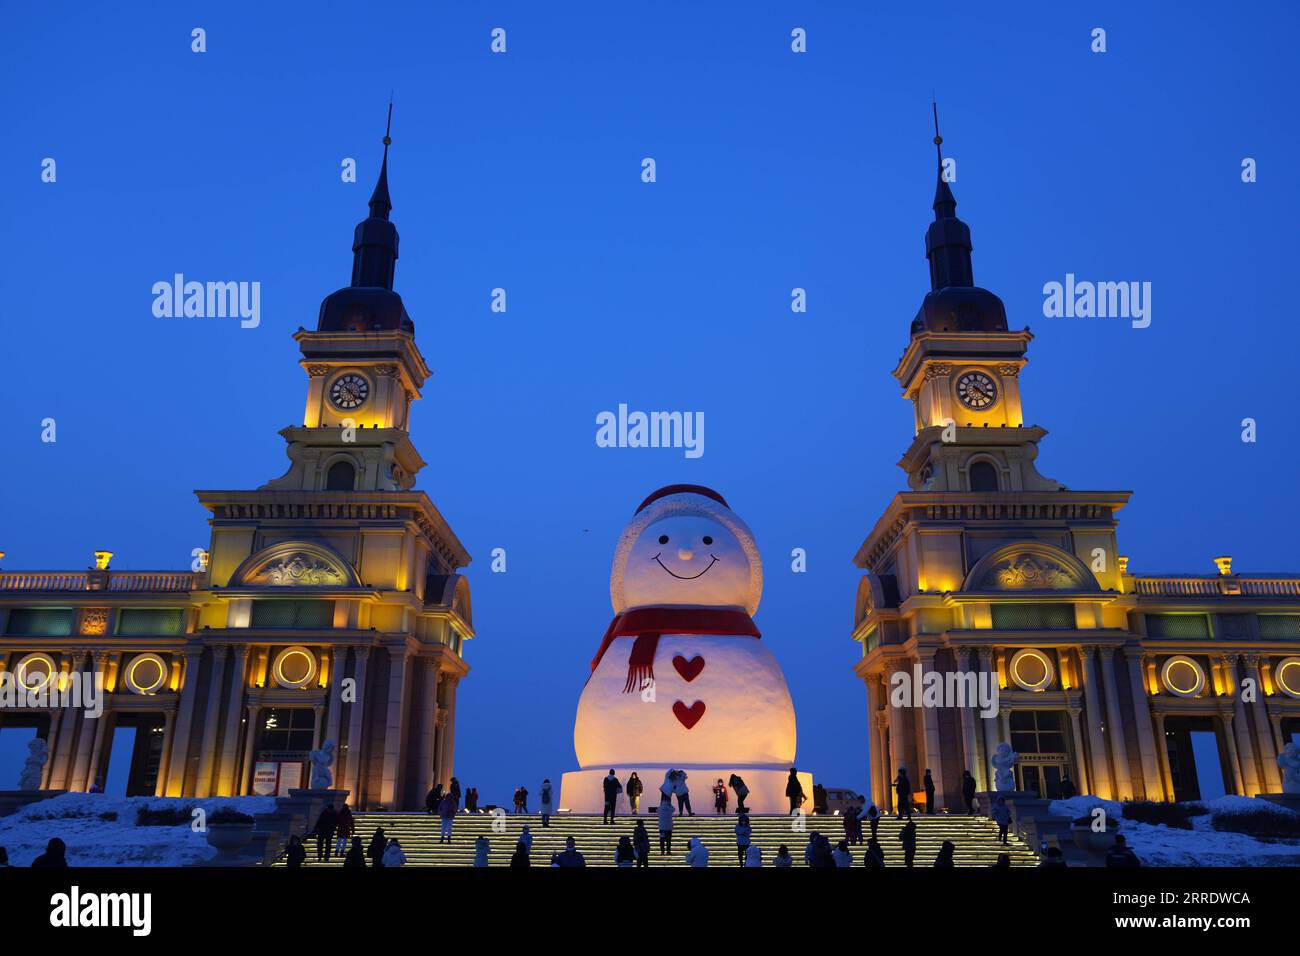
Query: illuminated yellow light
(294, 667)
(146, 674)
(1182, 676)
(1287, 676)
(1032, 670)
(25, 667)
(101, 560)
(1224, 564)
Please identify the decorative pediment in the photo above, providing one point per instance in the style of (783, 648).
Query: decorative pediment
(295, 564)
(1030, 566)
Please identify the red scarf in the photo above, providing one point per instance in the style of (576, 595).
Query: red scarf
(647, 623)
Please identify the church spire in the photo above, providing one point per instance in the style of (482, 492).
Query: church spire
(374, 243)
(380, 204)
(947, 241)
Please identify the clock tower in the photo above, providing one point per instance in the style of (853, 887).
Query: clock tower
(961, 373)
(364, 370)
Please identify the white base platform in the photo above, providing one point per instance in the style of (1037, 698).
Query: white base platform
(581, 790)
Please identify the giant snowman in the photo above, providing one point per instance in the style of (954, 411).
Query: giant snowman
(682, 679)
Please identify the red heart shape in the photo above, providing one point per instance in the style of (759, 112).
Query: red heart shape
(689, 716)
(688, 669)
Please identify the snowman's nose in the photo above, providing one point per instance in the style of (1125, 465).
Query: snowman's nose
(685, 554)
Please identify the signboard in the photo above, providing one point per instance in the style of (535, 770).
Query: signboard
(266, 778)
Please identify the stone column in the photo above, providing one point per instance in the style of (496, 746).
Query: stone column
(989, 727)
(319, 711)
(874, 763)
(1263, 730)
(338, 657)
(1162, 752)
(1076, 737)
(227, 784)
(428, 671)
(1115, 727)
(1092, 711)
(1142, 714)
(89, 728)
(184, 720)
(1234, 758)
(447, 749)
(165, 754)
(933, 751)
(97, 751)
(51, 740)
(245, 785)
(211, 713)
(970, 748)
(357, 708)
(388, 795)
(1248, 776)
(61, 754)
(897, 719)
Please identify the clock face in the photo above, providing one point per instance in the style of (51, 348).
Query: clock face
(349, 391)
(977, 390)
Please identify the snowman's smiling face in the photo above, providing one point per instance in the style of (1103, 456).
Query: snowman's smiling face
(686, 559)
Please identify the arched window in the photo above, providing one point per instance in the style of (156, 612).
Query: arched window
(983, 476)
(342, 476)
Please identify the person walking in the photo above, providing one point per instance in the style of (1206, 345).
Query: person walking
(744, 834)
(968, 791)
(521, 799)
(633, 789)
(343, 830)
(625, 853)
(526, 838)
(378, 843)
(356, 855)
(547, 805)
(612, 788)
(945, 855)
(684, 797)
(873, 818)
(326, 824)
(903, 793)
(697, 854)
(741, 791)
(570, 857)
(928, 784)
(393, 855)
(446, 816)
(720, 797)
(481, 850)
(641, 844)
(295, 854)
(841, 854)
(794, 790)
(874, 858)
(1002, 817)
(665, 814)
(520, 859)
(471, 800)
(454, 790)
(783, 860)
(908, 837)
(853, 824)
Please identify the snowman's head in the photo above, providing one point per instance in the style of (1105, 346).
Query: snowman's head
(685, 546)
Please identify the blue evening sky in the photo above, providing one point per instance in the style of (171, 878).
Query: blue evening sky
(522, 171)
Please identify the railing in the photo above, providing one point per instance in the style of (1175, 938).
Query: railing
(98, 580)
(1215, 585)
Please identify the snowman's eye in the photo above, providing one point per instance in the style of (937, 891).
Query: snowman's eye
(708, 540)
(663, 539)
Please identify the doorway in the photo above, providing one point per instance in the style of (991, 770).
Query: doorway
(1197, 762)
(134, 755)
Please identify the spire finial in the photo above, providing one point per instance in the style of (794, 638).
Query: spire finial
(938, 140)
(388, 140)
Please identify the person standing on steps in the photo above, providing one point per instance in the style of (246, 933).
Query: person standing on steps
(928, 783)
(737, 785)
(684, 797)
(1068, 789)
(521, 799)
(295, 854)
(873, 817)
(665, 814)
(326, 824)
(946, 850)
(633, 790)
(393, 855)
(547, 806)
(720, 797)
(433, 800)
(903, 793)
(853, 824)
(783, 860)
(526, 838)
(356, 857)
(481, 850)
(343, 830)
(471, 800)
(753, 856)
(794, 790)
(841, 854)
(612, 789)
(378, 843)
(447, 816)
(520, 858)
(744, 834)
(697, 854)
(1002, 817)
(454, 790)
(908, 837)
(624, 853)
(874, 858)
(570, 857)
(968, 791)
(641, 844)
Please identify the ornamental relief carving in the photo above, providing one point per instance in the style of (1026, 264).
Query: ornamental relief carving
(937, 368)
(316, 371)
(1031, 572)
(297, 569)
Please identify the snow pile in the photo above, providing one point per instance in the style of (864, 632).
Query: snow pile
(1159, 845)
(101, 830)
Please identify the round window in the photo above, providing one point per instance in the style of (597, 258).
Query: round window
(1032, 669)
(1286, 675)
(146, 674)
(1182, 676)
(34, 672)
(294, 667)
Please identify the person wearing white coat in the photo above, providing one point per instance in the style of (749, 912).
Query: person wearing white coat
(698, 854)
(754, 855)
(393, 855)
(526, 838)
(548, 803)
(481, 850)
